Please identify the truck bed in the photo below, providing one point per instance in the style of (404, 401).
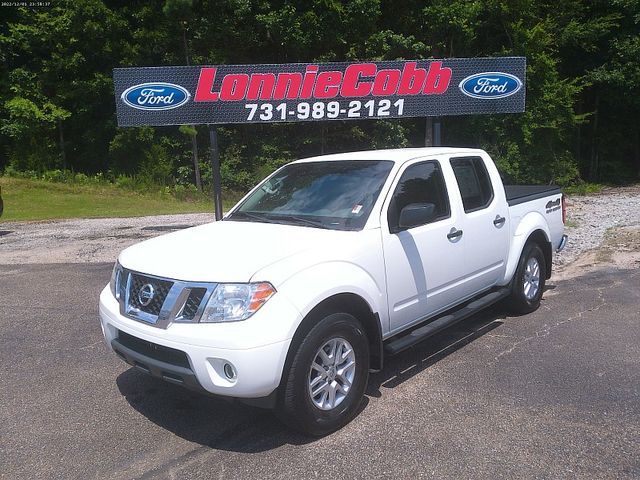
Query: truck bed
(517, 194)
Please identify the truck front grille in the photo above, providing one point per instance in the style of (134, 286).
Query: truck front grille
(193, 303)
(160, 289)
(161, 301)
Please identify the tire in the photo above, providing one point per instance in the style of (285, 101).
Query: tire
(315, 397)
(529, 280)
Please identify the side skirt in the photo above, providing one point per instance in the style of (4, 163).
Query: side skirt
(423, 331)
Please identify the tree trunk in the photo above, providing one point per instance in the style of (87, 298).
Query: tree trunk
(428, 132)
(186, 47)
(594, 167)
(196, 164)
(636, 151)
(194, 140)
(323, 139)
(62, 151)
(578, 140)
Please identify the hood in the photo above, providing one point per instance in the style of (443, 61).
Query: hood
(224, 251)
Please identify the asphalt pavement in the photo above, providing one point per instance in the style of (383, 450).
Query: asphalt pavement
(553, 394)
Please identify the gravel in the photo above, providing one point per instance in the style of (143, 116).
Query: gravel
(100, 240)
(589, 217)
(84, 240)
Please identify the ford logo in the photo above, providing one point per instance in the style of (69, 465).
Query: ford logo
(155, 96)
(490, 85)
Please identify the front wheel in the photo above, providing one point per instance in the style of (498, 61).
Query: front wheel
(528, 281)
(325, 383)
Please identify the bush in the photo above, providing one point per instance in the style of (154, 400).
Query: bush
(184, 175)
(583, 188)
(145, 182)
(185, 192)
(157, 168)
(56, 176)
(11, 171)
(81, 179)
(126, 182)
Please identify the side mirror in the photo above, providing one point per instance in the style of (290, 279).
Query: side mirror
(416, 214)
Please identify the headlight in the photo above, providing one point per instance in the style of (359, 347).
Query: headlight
(232, 302)
(116, 279)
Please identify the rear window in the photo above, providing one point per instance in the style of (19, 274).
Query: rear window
(473, 182)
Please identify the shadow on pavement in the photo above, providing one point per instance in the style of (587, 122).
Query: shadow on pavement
(232, 426)
(208, 421)
(402, 367)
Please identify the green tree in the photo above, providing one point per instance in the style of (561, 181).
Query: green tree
(583, 72)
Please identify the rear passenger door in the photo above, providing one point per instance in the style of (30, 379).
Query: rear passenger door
(423, 263)
(486, 222)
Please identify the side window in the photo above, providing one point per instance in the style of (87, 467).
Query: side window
(420, 183)
(474, 183)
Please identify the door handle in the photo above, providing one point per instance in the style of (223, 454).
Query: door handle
(499, 221)
(454, 233)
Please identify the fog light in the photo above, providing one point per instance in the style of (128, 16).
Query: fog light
(229, 371)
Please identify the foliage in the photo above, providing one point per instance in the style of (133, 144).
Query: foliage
(29, 199)
(138, 184)
(583, 188)
(57, 109)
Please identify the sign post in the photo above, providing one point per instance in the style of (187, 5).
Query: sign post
(437, 132)
(215, 172)
(317, 92)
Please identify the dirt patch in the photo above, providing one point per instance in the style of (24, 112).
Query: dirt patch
(619, 249)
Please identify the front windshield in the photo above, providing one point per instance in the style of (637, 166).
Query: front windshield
(332, 194)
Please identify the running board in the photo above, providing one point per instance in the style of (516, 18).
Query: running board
(440, 323)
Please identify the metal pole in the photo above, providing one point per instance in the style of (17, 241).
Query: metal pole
(428, 132)
(437, 133)
(215, 172)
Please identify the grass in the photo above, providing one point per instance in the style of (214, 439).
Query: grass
(584, 188)
(26, 199)
(570, 223)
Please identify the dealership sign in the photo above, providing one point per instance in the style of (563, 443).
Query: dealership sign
(318, 91)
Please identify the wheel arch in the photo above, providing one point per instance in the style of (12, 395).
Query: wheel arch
(539, 237)
(352, 304)
(542, 240)
(532, 228)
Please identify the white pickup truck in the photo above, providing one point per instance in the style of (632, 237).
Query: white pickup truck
(323, 269)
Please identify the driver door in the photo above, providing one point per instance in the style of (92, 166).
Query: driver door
(423, 263)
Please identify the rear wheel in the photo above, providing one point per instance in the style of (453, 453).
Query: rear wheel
(325, 383)
(529, 280)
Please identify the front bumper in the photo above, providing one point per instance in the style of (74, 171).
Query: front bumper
(151, 365)
(195, 355)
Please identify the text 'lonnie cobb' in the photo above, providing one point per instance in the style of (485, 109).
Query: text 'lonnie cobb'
(357, 80)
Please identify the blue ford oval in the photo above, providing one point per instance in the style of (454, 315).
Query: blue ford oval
(490, 85)
(155, 96)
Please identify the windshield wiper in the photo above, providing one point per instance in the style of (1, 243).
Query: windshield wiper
(277, 218)
(303, 221)
(252, 216)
